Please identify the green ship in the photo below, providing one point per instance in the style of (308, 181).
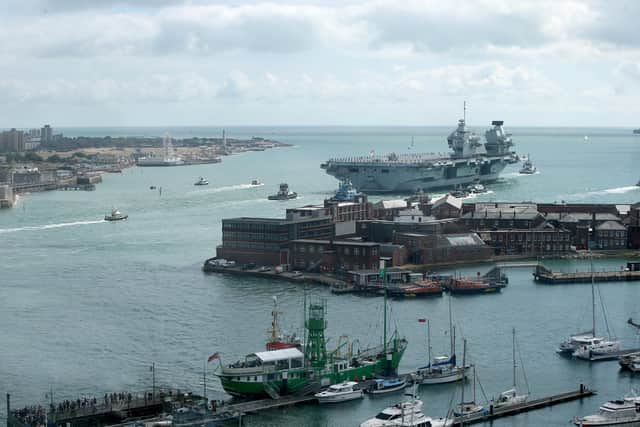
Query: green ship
(291, 371)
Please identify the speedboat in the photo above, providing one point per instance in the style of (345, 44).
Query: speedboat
(255, 182)
(614, 413)
(597, 347)
(477, 188)
(383, 386)
(638, 183)
(201, 181)
(284, 193)
(348, 390)
(405, 414)
(115, 215)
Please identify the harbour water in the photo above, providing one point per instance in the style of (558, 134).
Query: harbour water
(86, 306)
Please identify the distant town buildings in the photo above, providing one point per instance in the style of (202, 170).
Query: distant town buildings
(12, 141)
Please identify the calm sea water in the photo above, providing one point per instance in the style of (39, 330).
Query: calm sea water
(86, 306)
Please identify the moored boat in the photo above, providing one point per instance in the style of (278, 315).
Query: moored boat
(511, 397)
(388, 385)
(342, 392)
(290, 370)
(115, 215)
(622, 412)
(406, 414)
(467, 408)
(473, 286)
(418, 289)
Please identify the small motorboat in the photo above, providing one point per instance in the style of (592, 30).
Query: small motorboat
(390, 385)
(345, 391)
(474, 286)
(284, 193)
(115, 215)
(477, 188)
(638, 183)
(153, 187)
(201, 181)
(418, 289)
(256, 182)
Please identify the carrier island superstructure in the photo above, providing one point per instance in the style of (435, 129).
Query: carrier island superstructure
(470, 162)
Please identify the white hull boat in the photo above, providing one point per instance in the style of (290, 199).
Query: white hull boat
(624, 412)
(343, 392)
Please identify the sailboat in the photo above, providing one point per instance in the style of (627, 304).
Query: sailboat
(441, 369)
(511, 396)
(467, 409)
(585, 344)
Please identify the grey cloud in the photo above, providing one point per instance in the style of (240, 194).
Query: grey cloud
(615, 24)
(438, 29)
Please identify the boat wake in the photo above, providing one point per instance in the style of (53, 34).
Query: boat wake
(518, 174)
(48, 226)
(223, 189)
(616, 190)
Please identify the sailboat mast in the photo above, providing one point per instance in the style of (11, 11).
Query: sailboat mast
(464, 363)
(514, 357)
(452, 340)
(429, 343)
(593, 297)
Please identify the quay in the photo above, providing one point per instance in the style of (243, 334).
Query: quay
(531, 405)
(543, 274)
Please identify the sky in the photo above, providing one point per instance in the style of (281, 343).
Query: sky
(376, 62)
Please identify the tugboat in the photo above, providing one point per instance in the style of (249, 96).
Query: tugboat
(290, 370)
(201, 181)
(528, 168)
(284, 193)
(345, 193)
(115, 215)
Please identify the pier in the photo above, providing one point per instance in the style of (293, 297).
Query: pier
(531, 405)
(544, 275)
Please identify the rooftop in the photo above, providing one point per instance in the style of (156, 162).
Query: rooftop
(278, 221)
(610, 225)
(337, 242)
(450, 200)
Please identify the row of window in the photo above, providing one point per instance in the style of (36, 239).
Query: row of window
(533, 237)
(612, 233)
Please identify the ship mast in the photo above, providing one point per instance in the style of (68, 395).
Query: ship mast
(464, 112)
(514, 357)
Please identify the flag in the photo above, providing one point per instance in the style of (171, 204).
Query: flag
(422, 320)
(214, 356)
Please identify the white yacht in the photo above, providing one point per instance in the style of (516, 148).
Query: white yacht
(348, 390)
(587, 344)
(597, 347)
(614, 413)
(467, 408)
(406, 414)
(441, 369)
(574, 342)
(511, 396)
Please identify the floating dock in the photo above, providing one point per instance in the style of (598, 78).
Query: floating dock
(544, 275)
(531, 405)
(614, 355)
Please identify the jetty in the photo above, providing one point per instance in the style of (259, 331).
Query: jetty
(545, 275)
(531, 405)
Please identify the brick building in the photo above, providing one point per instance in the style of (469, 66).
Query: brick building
(265, 241)
(542, 241)
(610, 235)
(633, 226)
(443, 248)
(333, 256)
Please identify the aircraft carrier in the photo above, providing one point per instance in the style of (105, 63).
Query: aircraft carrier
(470, 162)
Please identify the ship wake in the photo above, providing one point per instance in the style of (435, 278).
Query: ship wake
(223, 189)
(615, 190)
(48, 226)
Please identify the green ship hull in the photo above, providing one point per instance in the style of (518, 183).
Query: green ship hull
(260, 385)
